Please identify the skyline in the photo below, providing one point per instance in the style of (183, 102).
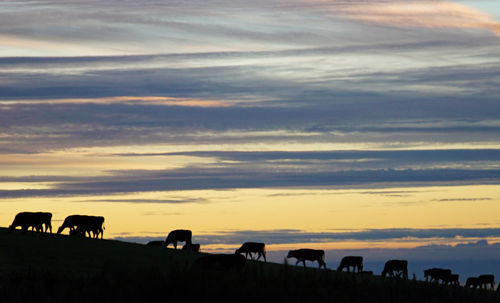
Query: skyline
(337, 124)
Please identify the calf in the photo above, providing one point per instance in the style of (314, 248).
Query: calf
(308, 254)
(178, 235)
(191, 247)
(35, 220)
(396, 268)
(248, 248)
(437, 274)
(221, 261)
(355, 262)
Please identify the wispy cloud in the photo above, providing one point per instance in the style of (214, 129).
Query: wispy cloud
(148, 201)
(422, 14)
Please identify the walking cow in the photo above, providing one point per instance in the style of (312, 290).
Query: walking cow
(305, 254)
(249, 248)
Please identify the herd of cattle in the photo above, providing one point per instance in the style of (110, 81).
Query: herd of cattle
(92, 226)
(79, 225)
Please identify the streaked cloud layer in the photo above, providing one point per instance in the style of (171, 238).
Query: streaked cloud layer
(124, 103)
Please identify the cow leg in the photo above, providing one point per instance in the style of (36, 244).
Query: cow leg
(175, 244)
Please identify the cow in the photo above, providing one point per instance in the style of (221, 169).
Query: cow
(396, 268)
(156, 243)
(35, 220)
(483, 281)
(486, 280)
(220, 261)
(191, 247)
(356, 262)
(249, 248)
(437, 274)
(92, 224)
(452, 279)
(178, 235)
(82, 225)
(305, 254)
(472, 282)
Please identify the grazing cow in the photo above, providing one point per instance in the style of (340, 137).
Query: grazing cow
(472, 282)
(486, 280)
(308, 254)
(351, 261)
(35, 220)
(452, 279)
(83, 225)
(178, 235)
(249, 248)
(156, 243)
(191, 247)
(437, 274)
(46, 219)
(92, 224)
(396, 268)
(221, 261)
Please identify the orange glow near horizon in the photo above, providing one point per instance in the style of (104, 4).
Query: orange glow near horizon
(209, 212)
(150, 100)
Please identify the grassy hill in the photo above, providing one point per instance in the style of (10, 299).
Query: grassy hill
(55, 268)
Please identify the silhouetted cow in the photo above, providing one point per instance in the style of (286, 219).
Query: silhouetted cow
(351, 261)
(452, 279)
(178, 235)
(483, 281)
(486, 280)
(82, 225)
(249, 248)
(156, 243)
(396, 268)
(472, 282)
(437, 274)
(35, 220)
(191, 247)
(305, 254)
(221, 261)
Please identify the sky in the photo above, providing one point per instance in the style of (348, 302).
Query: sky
(354, 126)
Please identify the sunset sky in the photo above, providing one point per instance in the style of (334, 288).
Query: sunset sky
(354, 126)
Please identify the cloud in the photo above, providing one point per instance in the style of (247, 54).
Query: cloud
(148, 201)
(419, 14)
(463, 199)
(231, 177)
(290, 236)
